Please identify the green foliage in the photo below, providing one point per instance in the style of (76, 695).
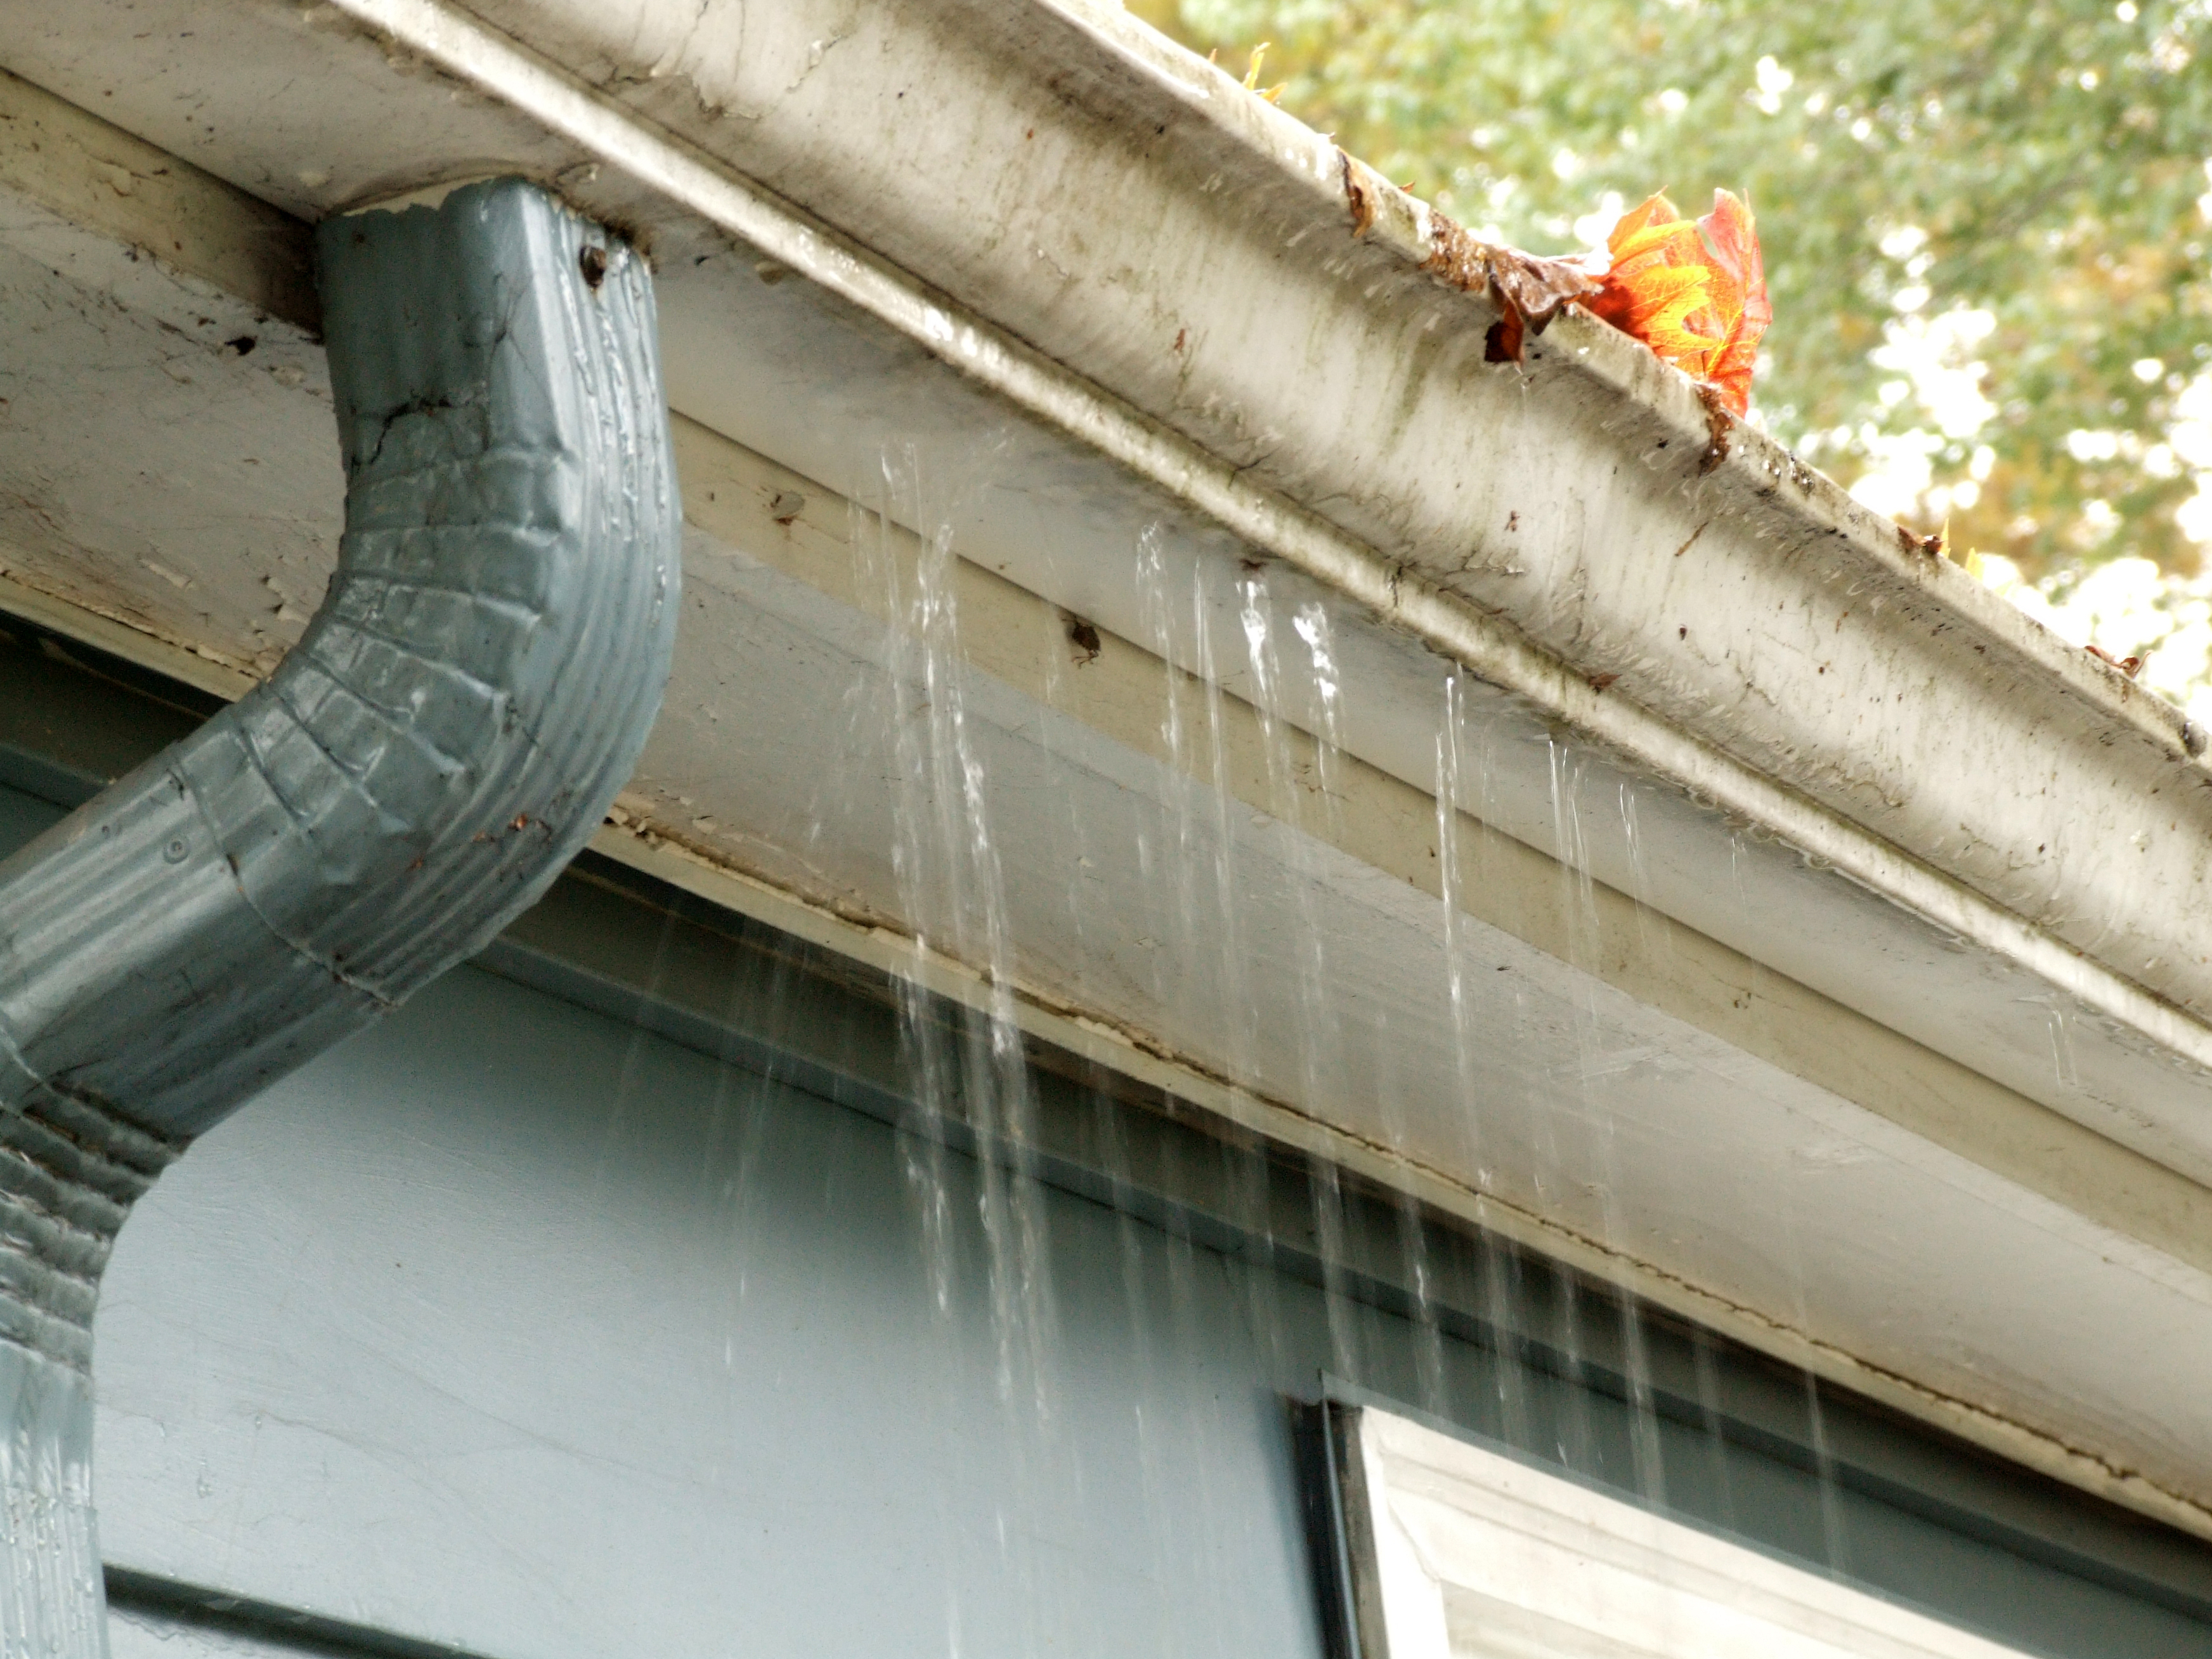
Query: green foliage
(2038, 159)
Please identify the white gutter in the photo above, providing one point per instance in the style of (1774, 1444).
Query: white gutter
(2085, 927)
(1957, 761)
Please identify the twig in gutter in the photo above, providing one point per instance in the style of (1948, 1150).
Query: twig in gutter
(1720, 426)
(1252, 74)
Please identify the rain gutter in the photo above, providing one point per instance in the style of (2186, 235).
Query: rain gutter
(2143, 967)
(474, 690)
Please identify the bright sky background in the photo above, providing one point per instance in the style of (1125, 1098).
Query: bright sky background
(2125, 606)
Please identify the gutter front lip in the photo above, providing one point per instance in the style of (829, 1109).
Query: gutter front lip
(1489, 647)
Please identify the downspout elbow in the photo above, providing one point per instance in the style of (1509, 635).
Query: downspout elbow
(450, 731)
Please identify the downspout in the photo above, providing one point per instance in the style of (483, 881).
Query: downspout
(475, 688)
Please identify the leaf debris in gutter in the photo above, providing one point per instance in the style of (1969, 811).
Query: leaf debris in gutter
(1530, 290)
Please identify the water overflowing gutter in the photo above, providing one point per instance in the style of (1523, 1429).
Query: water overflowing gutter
(1912, 823)
(471, 695)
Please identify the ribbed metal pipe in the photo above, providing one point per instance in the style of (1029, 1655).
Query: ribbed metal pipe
(475, 688)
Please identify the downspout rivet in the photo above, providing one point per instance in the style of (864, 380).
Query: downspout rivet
(175, 851)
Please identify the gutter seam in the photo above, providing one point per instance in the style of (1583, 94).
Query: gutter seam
(1486, 646)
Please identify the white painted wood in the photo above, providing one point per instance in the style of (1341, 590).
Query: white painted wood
(134, 1635)
(1470, 1555)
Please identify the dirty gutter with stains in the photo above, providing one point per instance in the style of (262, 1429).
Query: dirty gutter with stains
(1887, 970)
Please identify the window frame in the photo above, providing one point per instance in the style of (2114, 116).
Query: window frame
(1449, 1549)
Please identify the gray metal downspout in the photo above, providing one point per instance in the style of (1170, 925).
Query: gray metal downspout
(463, 708)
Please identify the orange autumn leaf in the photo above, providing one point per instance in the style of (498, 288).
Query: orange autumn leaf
(1658, 283)
(1740, 296)
(1696, 294)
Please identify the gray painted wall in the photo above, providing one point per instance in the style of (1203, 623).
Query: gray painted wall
(513, 1328)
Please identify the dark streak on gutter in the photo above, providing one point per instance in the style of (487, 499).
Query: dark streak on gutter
(1720, 427)
(1359, 193)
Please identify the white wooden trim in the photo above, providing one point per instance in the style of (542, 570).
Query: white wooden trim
(1458, 1553)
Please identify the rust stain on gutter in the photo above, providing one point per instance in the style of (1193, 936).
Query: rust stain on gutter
(1720, 427)
(1359, 190)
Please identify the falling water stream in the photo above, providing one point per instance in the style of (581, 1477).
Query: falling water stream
(1250, 790)
(1090, 1051)
(991, 1319)
(1249, 798)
